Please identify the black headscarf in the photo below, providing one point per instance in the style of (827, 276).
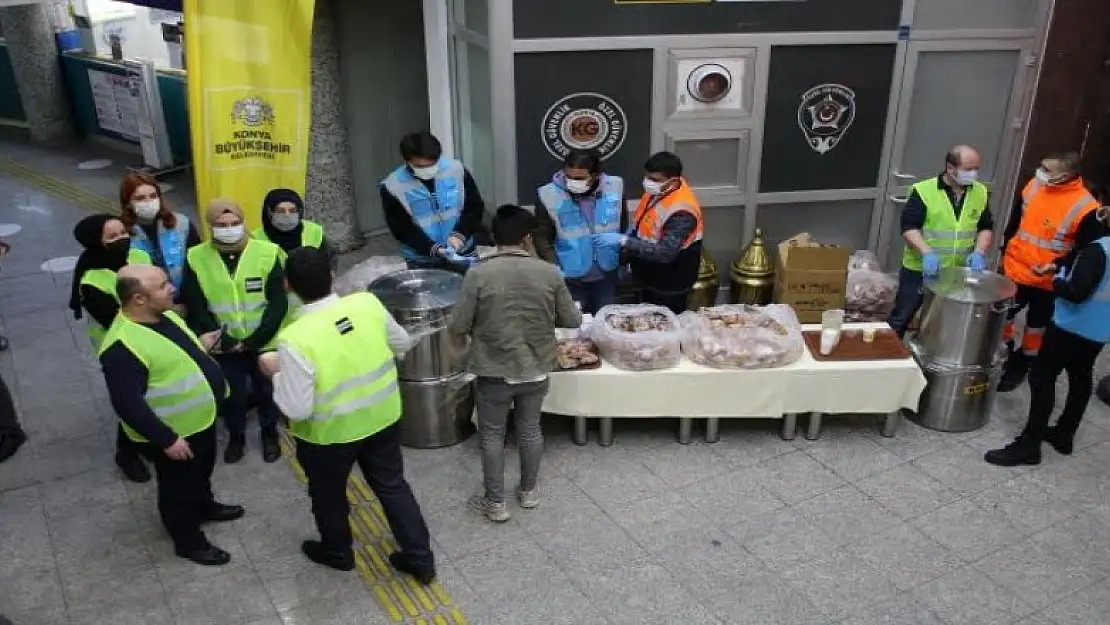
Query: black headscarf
(290, 240)
(88, 233)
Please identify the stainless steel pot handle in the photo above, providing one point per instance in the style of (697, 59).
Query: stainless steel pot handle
(1003, 306)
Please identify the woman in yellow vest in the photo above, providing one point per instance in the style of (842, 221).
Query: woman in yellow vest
(235, 283)
(107, 248)
(284, 225)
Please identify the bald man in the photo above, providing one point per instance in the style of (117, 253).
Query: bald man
(946, 223)
(166, 388)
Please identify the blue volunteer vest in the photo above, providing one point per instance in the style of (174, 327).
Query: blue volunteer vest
(437, 215)
(172, 244)
(574, 246)
(1090, 319)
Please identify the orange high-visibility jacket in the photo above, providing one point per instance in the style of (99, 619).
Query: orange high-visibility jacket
(1050, 216)
(651, 215)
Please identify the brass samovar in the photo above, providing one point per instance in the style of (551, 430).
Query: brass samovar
(704, 292)
(752, 274)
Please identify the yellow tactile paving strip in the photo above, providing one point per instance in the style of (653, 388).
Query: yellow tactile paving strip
(402, 598)
(58, 187)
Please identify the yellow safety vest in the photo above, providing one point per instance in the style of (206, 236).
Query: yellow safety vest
(236, 301)
(177, 390)
(105, 280)
(952, 239)
(312, 235)
(356, 392)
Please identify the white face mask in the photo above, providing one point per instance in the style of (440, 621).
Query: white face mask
(147, 209)
(652, 187)
(1046, 178)
(425, 173)
(578, 186)
(285, 221)
(228, 234)
(967, 177)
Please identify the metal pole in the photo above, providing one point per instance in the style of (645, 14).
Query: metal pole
(685, 430)
(813, 432)
(789, 426)
(605, 432)
(890, 425)
(580, 435)
(712, 430)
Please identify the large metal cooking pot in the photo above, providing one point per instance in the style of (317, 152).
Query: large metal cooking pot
(421, 300)
(963, 315)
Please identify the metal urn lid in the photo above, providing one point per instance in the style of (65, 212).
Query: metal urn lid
(754, 263)
(707, 270)
(960, 284)
(417, 290)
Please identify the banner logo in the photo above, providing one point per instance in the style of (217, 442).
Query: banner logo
(825, 114)
(253, 112)
(584, 121)
(254, 136)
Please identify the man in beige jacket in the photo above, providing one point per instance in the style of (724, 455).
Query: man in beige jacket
(510, 305)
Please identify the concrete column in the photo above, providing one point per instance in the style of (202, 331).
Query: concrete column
(34, 56)
(330, 196)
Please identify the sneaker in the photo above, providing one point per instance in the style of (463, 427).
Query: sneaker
(528, 498)
(497, 512)
(1012, 455)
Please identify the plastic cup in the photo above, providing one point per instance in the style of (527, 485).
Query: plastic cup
(832, 320)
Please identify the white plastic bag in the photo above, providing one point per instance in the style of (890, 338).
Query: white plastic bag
(360, 276)
(869, 295)
(637, 337)
(863, 260)
(742, 337)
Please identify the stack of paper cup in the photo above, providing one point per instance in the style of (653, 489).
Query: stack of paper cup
(832, 321)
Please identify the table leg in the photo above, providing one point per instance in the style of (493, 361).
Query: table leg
(890, 425)
(789, 426)
(580, 435)
(813, 432)
(685, 430)
(605, 432)
(712, 430)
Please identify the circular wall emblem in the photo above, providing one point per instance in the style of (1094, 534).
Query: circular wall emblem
(584, 121)
(825, 114)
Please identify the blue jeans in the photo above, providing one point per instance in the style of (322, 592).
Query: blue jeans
(595, 294)
(908, 300)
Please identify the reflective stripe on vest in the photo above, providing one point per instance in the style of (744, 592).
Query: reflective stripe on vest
(172, 245)
(952, 239)
(177, 391)
(654, 211)
(356, 391)
(229, 298)
(1050, 217)
(1089, 319)
(103, 280)
(1059, 243)
(436, 215)
(573, 246)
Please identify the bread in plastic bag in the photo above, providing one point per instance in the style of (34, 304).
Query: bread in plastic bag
(869, 295)
(637, 337)
(742, 337)
(358, 277)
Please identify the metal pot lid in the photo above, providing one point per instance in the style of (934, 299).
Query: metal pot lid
(417, 290)
(960, 284)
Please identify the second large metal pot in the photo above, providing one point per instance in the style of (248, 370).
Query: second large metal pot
(963, 315)
(421, 300)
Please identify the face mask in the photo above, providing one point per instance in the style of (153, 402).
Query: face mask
(425, 173)
(147, 209)
(119, 248)
(1046, 178)
(228, 234)
(967, 177)
(652, 187)
(578, 186)
(285, 221)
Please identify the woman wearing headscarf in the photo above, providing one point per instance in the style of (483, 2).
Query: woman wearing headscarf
(283, 224)
(107, 249)
(235, 283)
(163, 234)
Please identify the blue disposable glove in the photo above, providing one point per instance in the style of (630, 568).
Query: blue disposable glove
(1061, 274)
(930, 265)
(609, 239)
(452, 256)
(977, 261)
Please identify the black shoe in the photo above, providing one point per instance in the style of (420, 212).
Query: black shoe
(316, 552)
(133, 467)
(271, 450)
(10, 442)
(1012, 455)
(1062, 444)
(1013, 373)
(220, 513)
(207, 556)
(234, 451)
(401, 563)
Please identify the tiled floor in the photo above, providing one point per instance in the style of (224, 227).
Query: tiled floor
(851, 529)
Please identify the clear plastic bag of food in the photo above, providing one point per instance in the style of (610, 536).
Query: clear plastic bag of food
(863, 260)
(742, 337)
(869, 295)
(637, 337)
(358, 277)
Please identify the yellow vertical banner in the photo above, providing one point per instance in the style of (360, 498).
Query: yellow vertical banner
(250, 98)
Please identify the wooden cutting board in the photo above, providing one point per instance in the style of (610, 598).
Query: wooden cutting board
(886, 346)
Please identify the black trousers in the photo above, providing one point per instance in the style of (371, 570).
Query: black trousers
(1061, 351)
(676, 302)
(379, 457)
(185, 489)
(9, 420)
(245, 379)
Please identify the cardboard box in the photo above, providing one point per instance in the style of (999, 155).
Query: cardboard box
(810, 276)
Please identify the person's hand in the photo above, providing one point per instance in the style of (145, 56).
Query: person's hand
(1044, 269)
(4, 248)
(210, 339)
(977, 261)
(239, 348)
(442, 251)
(930, 264)
(609, 239)
(1061, 274)
(180, 450)
(268, 363)
(456, 241)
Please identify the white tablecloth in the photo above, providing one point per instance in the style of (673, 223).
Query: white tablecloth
(690, 390)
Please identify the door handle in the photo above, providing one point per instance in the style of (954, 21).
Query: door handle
(897, 199)
(899, 175)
